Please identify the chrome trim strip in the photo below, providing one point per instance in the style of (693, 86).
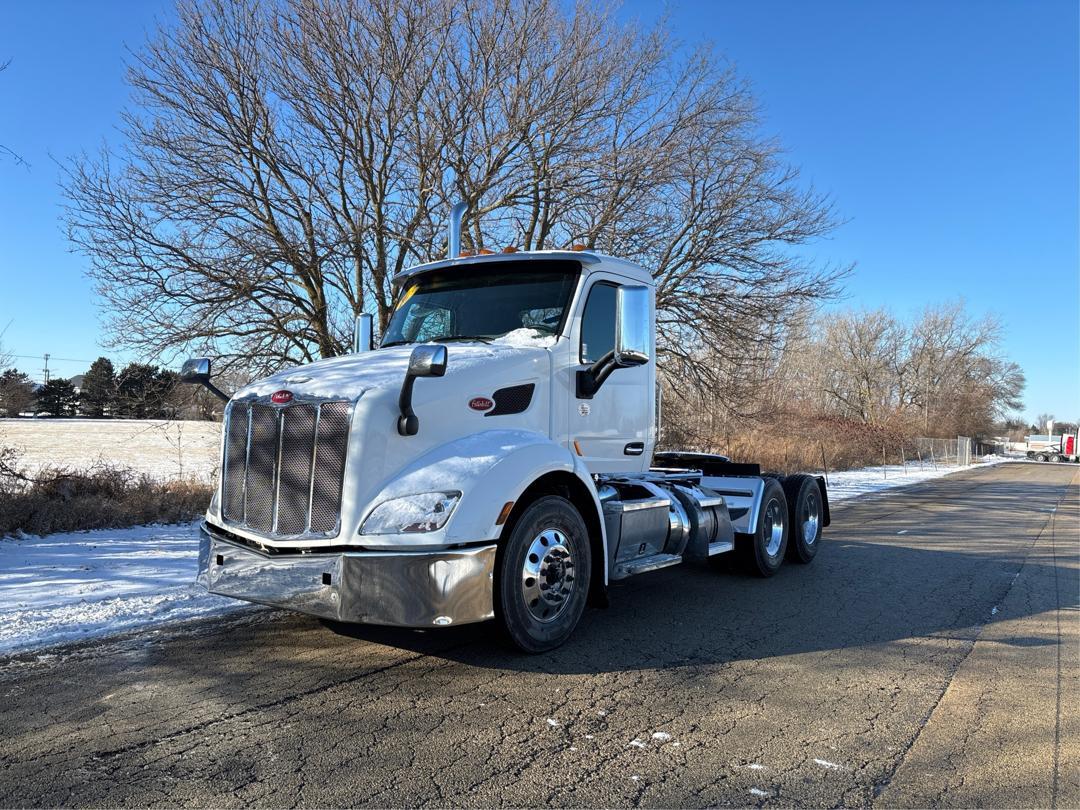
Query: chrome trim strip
(247, 462)
(277, 470)
(314, 455)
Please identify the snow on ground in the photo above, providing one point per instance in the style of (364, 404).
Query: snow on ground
(853, 483)
(161, 448)
(69, 587)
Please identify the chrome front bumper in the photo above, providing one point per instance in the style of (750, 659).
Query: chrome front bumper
(405, 589)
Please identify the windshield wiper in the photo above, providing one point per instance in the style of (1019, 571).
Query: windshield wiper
(449, 338)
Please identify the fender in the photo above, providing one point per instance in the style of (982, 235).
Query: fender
(489, 468)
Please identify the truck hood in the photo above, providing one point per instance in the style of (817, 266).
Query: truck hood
(350, 375)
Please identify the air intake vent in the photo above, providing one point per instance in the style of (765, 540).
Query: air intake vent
(284, 467)
(514, 399)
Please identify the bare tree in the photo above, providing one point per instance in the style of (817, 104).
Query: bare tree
(285, 160)
(4, 150)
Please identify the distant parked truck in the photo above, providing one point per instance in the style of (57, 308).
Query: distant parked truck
(1054, 448)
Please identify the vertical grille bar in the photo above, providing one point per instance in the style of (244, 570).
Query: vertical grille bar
(235, 463)
(262, 458)
(331, 446)
(294, 469)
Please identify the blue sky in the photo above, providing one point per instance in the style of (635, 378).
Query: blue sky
(946, 133)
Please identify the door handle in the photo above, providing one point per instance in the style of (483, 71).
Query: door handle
(634, 449)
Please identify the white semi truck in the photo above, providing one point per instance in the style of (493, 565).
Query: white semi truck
(493, 458)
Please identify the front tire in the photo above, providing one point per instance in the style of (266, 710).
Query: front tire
(543, 575)
(805, 517)
(762, 552)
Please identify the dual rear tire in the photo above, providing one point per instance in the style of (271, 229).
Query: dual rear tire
(789, 525)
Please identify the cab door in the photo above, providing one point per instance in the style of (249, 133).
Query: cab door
(613, 429)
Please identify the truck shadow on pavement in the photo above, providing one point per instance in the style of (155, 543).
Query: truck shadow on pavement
(937, 571)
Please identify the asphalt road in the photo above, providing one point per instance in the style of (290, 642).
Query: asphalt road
(927, 657)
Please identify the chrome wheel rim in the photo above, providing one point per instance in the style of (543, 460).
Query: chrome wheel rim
(774, 527)
(547, 576)
(811, 518)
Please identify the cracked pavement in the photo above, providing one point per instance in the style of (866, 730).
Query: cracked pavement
(927, 657)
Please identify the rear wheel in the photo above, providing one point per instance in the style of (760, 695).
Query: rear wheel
(805, 517)
(762, 552)
(1054, 458)
(1040, 457)
(543, 575)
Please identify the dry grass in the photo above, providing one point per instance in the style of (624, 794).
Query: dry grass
(791, 442)
(56, 499)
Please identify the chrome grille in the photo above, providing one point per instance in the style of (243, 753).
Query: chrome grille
(284, 467)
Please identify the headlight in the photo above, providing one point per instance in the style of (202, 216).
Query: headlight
(425, 512)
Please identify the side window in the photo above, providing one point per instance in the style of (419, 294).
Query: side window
(598, 322)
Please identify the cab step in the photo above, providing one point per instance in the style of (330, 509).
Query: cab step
(641, 565)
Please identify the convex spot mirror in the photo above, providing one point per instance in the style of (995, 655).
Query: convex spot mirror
(632, 326)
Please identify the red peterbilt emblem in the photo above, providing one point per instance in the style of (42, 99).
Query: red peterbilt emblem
(481, 404)
(281, 397)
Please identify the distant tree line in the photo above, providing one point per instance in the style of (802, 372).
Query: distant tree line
(137, 391)
(938, 374)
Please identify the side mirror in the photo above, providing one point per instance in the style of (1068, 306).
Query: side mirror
(362, 333)
(425, 361)
(632, 339)
(197, 372)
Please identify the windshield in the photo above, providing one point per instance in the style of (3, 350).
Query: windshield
(518, 303)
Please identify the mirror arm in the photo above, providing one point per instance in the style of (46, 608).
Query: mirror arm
(407, 424)
(590, 379)
(213, 389)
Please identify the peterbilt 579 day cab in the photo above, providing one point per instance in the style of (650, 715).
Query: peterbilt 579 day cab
(493, 458)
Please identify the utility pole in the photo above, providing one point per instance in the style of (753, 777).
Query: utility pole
(46, 368)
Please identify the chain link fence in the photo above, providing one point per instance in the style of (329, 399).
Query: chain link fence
(956, 452)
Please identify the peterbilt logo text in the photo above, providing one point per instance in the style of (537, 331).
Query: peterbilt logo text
(281, 397)
(481, 404)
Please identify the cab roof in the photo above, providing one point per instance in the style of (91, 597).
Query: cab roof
(589, 259)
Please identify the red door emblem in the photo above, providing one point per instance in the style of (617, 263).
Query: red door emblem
(481, 404)
(281, 397)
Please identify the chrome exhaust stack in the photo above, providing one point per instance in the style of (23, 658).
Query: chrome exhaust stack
(454, 238)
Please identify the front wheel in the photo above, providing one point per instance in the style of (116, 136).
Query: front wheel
(543, 575)
(763, 551)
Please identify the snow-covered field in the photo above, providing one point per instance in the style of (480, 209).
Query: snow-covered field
(163, 449)
(68, 587)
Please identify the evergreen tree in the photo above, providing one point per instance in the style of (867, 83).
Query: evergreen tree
(57, 397)
(163, 401)
(98, 395)
(135, 390)
(16, 392)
